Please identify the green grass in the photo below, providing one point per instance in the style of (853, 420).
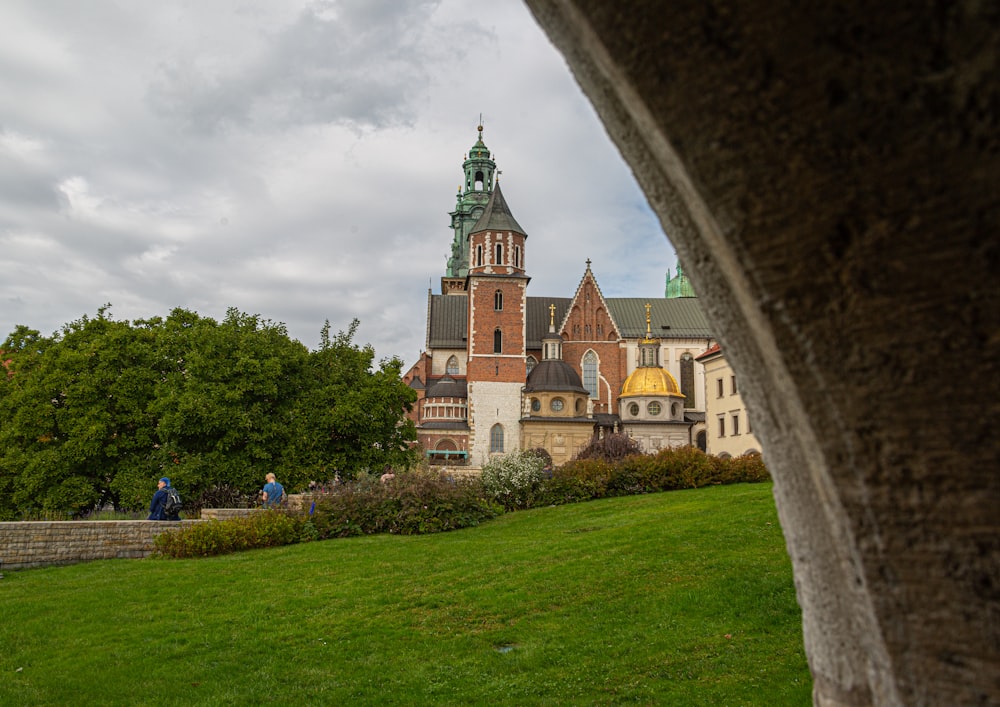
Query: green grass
(680, 598)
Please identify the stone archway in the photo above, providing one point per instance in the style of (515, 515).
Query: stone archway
(827, 172)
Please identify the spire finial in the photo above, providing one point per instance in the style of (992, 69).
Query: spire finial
(552, 317)
(648, 332)
(588, 263)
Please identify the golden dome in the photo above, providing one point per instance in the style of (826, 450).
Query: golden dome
(650, 380)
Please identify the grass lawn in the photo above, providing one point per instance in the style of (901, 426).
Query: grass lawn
(680, 598)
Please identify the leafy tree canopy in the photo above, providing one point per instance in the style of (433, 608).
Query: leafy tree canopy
(97, 412)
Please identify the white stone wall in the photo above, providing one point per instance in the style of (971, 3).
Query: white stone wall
(439, 363)
(491, 403)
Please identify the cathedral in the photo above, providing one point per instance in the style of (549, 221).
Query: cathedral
(503, 370)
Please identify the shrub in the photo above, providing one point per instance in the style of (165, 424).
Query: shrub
(513, 478)
(414, 502)
(218, 537)
(613, 447)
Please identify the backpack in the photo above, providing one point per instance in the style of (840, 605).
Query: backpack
(173, 503)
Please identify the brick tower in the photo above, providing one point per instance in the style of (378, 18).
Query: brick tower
(497, 291)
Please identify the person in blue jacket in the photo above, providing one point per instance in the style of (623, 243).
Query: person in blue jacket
(273, 494)
(157, 507)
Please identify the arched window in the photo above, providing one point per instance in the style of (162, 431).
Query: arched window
(452, 366)
(498, 258)
(687, 379)
(498, 301)
(479, 181)
(590, 373)
(497, 341)
(496, 438)
(479, 256)
(530, 363)
(517, 256)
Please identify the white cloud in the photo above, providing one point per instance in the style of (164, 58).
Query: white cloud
(297, 160)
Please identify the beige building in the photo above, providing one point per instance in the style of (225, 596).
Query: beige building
(726, 421)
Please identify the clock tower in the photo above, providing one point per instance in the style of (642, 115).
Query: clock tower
(479, 172)
(497, 291)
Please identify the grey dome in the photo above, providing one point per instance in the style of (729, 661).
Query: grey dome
(554, 375)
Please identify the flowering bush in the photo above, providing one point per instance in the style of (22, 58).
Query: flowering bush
(513, 479)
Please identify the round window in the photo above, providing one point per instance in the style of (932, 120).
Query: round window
(536, 404)
(654, 408)
(557, 405)
(633, 409)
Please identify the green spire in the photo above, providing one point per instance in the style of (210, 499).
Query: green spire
(479, 171)
(678, 286)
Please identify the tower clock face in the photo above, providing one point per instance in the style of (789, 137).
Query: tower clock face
(557, 405)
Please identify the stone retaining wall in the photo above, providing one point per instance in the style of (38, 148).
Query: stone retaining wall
(39, 543)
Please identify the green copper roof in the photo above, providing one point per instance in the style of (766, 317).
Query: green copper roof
(497, 216)
(678, 286)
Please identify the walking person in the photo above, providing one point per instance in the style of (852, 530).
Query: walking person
(273, 494)
(165, 503)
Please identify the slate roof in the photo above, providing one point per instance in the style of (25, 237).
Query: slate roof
(684, 317)
(447, 387)
(554, 376)
(497, 216)
(447, 327)
(448, 323)
(537, 318)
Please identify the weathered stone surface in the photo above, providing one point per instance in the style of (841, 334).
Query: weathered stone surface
(40, 543)
(828, 173)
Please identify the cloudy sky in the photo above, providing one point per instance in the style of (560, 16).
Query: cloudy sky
(293, 159)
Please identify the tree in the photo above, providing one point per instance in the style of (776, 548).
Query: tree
(74, 413)
(351, 418)
(101, 410)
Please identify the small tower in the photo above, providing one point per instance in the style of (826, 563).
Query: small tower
(557, 415)
(470, 203)
(651, 404)
(679, 286)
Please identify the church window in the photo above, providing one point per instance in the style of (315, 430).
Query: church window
(498, 301)
(576, 331)
(687, 379)
(480, 179)
(536, 404)
(496, 438)
(530, 363)
(579, 406)
(633, 409)
(452, 366)
(517, 256)
(654, 408)
(675, 411)
(586, 331)
(479, 256)
(497, 341)
(556, 404)
(590, 373)
(600, 331)
(498, 258)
